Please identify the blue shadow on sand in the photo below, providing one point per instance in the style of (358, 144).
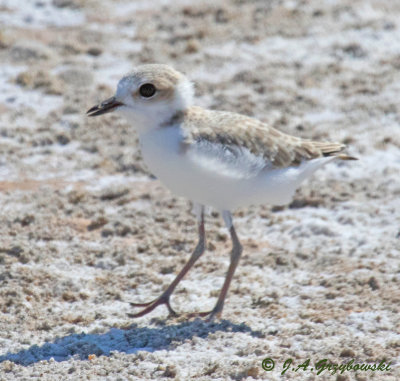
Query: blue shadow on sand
(128, 340)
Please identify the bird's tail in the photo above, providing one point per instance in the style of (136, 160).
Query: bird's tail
(333, 149)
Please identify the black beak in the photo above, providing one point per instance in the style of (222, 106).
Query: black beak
(104, 107)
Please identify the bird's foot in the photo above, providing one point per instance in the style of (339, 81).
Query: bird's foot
(150, 306)
(213, 314)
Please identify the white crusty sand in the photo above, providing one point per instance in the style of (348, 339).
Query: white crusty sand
(85, 230)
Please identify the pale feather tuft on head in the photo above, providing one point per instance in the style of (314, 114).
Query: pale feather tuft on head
(184, 93)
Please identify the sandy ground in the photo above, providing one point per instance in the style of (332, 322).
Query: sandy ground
(85, 230)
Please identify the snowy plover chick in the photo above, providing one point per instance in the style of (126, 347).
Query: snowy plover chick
(215, 158)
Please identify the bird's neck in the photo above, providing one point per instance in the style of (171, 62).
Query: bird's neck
(157, 118)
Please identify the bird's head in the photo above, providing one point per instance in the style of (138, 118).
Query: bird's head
(149, 96)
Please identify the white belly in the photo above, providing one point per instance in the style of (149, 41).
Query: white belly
(188, 174)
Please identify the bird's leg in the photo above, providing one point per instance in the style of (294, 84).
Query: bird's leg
(164, 297)
(235, 256)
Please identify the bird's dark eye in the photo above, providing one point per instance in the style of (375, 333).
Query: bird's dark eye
(147, 90)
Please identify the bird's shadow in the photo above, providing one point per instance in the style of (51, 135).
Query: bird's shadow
(129, 340)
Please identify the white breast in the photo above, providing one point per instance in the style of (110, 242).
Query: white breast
(220, 176)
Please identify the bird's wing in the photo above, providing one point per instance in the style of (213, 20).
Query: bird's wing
(231, 138)
(232, 162)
